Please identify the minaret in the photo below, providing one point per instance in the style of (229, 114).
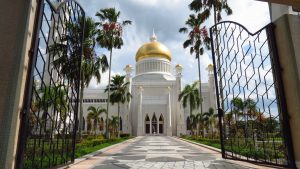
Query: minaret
(127, 118)
(211, 85)
(180, 112)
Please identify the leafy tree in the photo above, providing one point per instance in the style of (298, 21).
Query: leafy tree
(110, 36)
(120, 92)
(190, 95)
(94, 114)
(67, 52)
(113, 124)
(203, 8)
(50, 97)
(210, 117)
(201, 121)
(197, 39)
(206, 6)
(246, 108)
(91, 65)
(193, 123)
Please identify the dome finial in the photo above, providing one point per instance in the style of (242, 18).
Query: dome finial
(153, 38)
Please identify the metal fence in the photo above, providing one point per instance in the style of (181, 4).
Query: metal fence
(253, 118)
(49, 117)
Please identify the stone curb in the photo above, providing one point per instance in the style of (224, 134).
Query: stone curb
(87, 156)
(202, 145)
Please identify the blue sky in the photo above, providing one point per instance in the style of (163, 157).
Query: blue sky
(166, 17)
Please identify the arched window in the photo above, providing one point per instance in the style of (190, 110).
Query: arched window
(188, 123)
(147, 124)
(89, 124)
(83, 124)
(161, 124)
(154, 124)
(121, 127)
(101, 124)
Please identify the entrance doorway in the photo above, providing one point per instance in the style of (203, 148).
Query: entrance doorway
(147, 123)
(161, 124)
(154, 124)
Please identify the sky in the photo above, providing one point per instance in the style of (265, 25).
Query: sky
(166, 17)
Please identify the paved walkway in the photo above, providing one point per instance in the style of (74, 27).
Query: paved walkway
(159, 152)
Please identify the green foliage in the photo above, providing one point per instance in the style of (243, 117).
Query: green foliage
(110, 29)
(205, 7)
(124, 135)
(247, 150)
(88, 146)
(190, 95)
(109, 36)
(94, 114)
(119, 89)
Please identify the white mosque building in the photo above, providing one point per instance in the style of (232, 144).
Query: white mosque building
(154, 107)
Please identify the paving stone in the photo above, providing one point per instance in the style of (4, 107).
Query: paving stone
(160, 152)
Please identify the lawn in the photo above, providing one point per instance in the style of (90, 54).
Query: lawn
(90, 146)
(268, 151)
(47, 154)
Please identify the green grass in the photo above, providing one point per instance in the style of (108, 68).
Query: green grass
(42, 155)
(210, 142)
(267, 152)
(83, 149)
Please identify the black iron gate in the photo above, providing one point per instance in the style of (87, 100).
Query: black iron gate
(49, 118)
(253, 117)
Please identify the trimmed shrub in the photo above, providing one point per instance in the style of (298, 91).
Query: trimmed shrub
(124, 135)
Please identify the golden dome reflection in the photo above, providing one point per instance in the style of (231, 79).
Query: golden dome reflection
(153, 49)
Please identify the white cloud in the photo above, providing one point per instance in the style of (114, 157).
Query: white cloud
(166, 17)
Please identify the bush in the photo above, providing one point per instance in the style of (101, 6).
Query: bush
(101, 136)
(124, 135)
(90, 137)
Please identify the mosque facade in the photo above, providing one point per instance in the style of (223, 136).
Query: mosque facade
(155, 86)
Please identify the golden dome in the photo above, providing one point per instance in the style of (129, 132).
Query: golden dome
(153, 49)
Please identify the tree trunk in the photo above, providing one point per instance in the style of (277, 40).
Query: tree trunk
(200, 89)
(118, 130)
(80, 106)
(108, 94)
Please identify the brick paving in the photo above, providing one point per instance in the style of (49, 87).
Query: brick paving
(159, 152)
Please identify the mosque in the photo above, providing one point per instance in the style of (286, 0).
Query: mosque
(154, 107)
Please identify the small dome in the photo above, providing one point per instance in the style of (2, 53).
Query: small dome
(153, 49)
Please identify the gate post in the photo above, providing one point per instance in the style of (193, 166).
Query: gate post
(287, 34)
(16, 32)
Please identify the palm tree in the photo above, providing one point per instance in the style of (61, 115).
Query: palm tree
(120, 92)
(197, 38)
(109, 37)
(210, 117)
(113, 124)
(94, 114)
(205, 7)
(69, 50)
(53, 97)
(246, 108)
(190, 95)
(201, 120)
(91, 65)
(193, 123)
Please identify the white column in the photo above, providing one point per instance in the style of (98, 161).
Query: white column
(150, 126)
(127, 121)
(140, 111)
(169, 113)
(181, 127)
